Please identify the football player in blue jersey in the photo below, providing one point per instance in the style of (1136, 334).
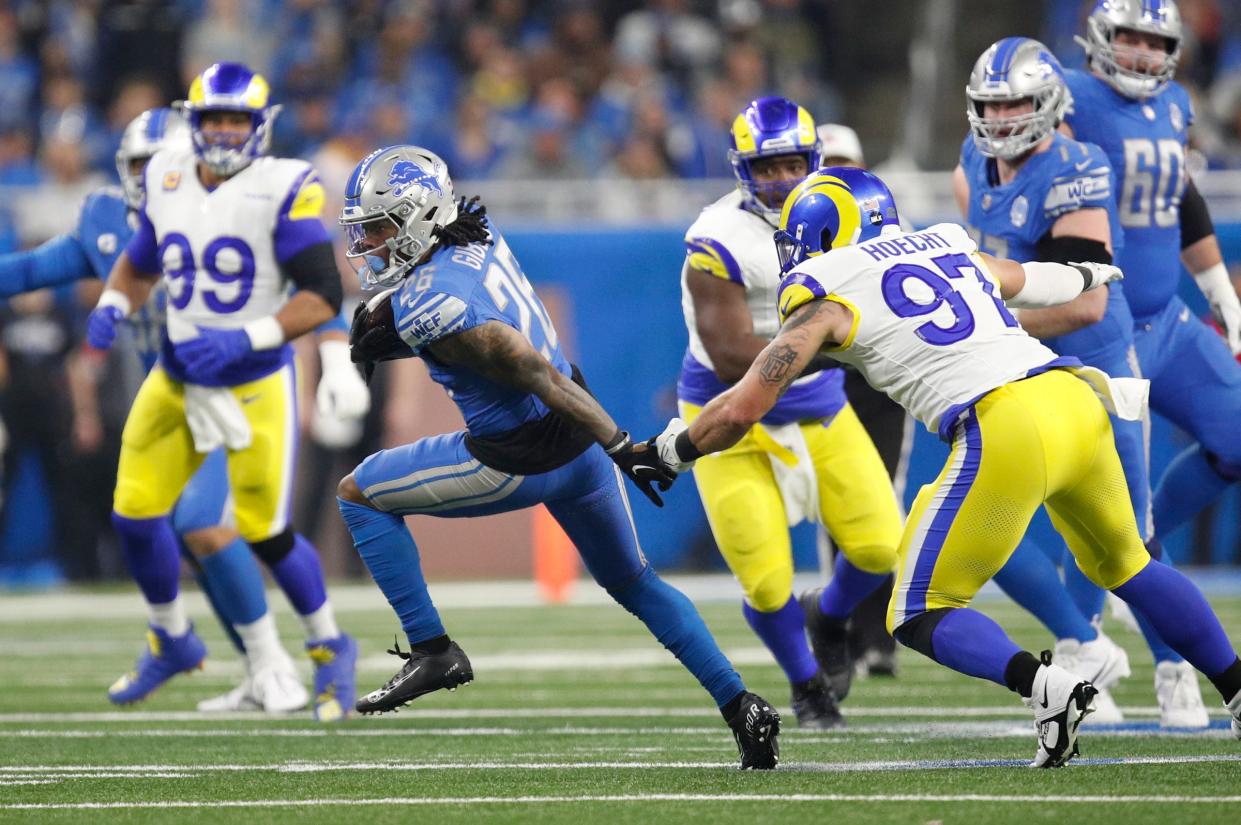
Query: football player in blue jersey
(222, 563)
(228, 231)
(1030, 193)
(454, 296)
(1128, 104)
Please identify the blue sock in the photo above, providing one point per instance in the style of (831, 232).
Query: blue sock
(234, 576)
(1032, 580)
(392, 557)
(675, 622)
(784, 633)
(150, 550)
(300, 576)
(1181, 615)
(971, 643)
(213, 602)
(849, 585)
(1188, 485)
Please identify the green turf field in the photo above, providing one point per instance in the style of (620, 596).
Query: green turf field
(576, 716)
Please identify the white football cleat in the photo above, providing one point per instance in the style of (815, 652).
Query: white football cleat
(1180, 700)
(1234, 708)
(1060, 701)
(1101, 662)
(1106, 711)
(278, 688)
(239, 698)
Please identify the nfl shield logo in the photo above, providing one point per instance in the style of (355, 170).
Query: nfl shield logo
(1020, 211)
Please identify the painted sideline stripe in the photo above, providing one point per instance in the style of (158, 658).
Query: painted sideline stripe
(833, 767)
(541, 800)
(928, 730)
(998, 712)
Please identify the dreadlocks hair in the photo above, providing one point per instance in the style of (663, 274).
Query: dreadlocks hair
(470, 225)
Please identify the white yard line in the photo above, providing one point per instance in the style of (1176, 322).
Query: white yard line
(627, 798)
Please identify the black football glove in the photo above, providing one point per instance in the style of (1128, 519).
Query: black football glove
(373, 336)
(641, 462)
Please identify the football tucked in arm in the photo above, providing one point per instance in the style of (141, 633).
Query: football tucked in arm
(373, 336)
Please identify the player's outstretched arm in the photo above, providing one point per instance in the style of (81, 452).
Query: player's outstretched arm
(1080, 235)
(501, 354)
(1201, 255)
(1043, 284)
(55, 263)
(731, 414)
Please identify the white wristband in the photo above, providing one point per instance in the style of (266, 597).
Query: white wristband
(1215, 284)
(265, 333)
(115, 298)
(334, 355)
(1047, 285)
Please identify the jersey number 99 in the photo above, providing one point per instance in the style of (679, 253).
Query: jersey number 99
(228, 262)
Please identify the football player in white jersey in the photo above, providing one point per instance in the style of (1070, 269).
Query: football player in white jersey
(232, 232)
(922, 315)
(809, 458)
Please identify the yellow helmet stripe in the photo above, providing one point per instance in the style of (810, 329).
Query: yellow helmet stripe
(196, 91)
(838, 191)
(743, 136)
(805, 128)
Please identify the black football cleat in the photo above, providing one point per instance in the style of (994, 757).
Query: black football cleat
(421, 674)
(829, 639)
(756, 726)
(815, 706)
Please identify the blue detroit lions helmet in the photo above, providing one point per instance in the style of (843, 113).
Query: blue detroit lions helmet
(1012, 70)
(1158, 17)
(395, 199)
(769, 127)
(230, 87)
(832, 208)
(145, 135)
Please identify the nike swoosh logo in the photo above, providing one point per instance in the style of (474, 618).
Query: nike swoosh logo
(248, 399)
(1082, 166)
(1044, 694)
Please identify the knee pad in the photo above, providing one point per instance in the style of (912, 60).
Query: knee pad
(916, 633)
(872, 558)
(273, 550)
(771, 590)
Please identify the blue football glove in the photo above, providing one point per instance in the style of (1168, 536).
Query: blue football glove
(101, 326)
(213, 350)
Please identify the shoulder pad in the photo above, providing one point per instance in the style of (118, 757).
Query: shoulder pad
(424, 317)
(797, 290)
(1082, 181)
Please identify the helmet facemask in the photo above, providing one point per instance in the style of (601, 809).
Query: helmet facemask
(226, 154)
(1146, 75)
(1013, 70)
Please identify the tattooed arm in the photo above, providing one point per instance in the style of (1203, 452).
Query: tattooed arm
(500, 353)
(731, 414)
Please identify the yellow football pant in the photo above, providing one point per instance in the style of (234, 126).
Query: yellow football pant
(747, 515)
(158, 456)
(1043, 440)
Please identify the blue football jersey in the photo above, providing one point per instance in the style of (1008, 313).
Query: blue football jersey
(1145, 142)
(461, 287)
(1008, 220)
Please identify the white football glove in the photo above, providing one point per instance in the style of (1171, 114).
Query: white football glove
(1225, 306)
(1099, 274)
(341, 394)
(666, 446)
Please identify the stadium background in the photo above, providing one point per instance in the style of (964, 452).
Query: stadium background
(593, 131)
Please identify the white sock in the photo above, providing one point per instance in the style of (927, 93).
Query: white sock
(321, 624)
(169, 617)
(262, 642)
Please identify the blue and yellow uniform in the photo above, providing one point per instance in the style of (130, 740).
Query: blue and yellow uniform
(1195, 382)
(809, 458)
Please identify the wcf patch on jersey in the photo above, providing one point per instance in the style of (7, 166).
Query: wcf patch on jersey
(171, 180)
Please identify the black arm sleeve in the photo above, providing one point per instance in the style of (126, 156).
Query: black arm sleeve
(1068, 248)
(1195, 219)
(314, 270)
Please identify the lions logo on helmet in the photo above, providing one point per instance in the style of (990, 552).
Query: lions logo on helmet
(770, 127)
(145, 135)
(1146, 77)
(832, 208)
(1009, 71)
(229, 87)
(395, 200)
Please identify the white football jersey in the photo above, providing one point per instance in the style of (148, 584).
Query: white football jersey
(929, 327)
(736, 245)
(218, 249)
